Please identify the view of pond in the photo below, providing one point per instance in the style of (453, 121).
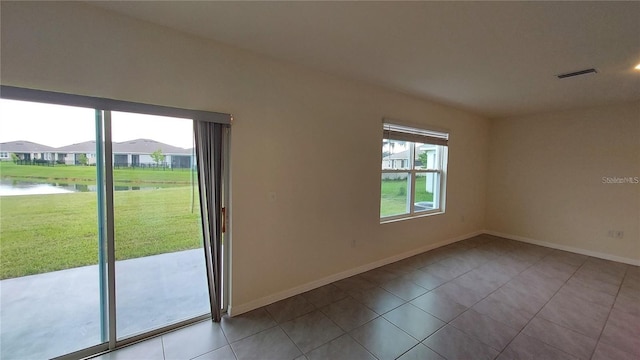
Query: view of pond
(17, 187)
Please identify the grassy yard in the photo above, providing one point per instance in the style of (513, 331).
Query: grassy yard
(87, 174)
(394, 195)
(42, 233)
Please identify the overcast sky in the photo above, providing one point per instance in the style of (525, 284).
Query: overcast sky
(56, 125)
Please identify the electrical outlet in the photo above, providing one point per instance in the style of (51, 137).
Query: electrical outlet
(615, 234)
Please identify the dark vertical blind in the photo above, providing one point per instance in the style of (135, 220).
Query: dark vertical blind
(209, 151)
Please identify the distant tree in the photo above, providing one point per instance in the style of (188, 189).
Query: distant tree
(83, 160)
(14, 157)
(423, 158)
(158, 157)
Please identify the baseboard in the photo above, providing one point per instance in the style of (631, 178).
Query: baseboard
(566, 248)
(242, 308)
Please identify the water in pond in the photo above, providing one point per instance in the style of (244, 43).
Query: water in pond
(16, 188)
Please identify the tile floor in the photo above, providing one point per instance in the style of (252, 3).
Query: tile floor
(481, 298)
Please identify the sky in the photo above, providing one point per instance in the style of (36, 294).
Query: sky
(57, 125)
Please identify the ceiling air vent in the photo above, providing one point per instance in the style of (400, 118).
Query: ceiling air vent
(577, 73)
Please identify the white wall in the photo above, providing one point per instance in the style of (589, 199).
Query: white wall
(313, 139)
(147, 159)
(545, 180)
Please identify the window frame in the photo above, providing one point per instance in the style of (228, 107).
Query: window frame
(440, 142)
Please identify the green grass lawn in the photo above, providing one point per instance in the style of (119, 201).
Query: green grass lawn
(42, 233)
(87, 174)
(393, 199)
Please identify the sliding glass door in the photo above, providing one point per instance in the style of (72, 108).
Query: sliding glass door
(160, 268)
(101, 233)
(49, 240)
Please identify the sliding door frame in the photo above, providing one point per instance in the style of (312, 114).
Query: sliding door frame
(103, 108)
(111, 237)
(226, 220)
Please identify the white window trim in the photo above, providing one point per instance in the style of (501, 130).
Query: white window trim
(442, 159)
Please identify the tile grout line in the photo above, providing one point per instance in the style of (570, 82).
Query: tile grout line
(534, 315)
(467, 308)
(290, 339)
(225, 338)
(410, 300)
(489, 294)
(420, 342)
(626, 270)
(319, 309)
(545, 304)
(333, 322)
(392, 309)
(589, 301)
(358, 342)
(248, 336)
(470, 307)
(364, 347)
(315, 308)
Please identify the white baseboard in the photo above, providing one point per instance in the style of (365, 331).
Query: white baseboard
(242, 308)
(596, 254)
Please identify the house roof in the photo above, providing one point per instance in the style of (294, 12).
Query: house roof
(136, 146)
(23, 146)
(83, 147)
(147, 146)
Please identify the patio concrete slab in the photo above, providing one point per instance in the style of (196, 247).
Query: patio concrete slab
(51, 314)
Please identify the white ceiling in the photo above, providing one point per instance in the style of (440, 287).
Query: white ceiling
(495, 59)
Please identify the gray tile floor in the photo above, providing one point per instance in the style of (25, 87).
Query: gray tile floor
(481, 298)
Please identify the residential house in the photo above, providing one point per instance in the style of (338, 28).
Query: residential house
(72, 154)
(132, 153)
(400, 160)
(26, 150)
(136, 153)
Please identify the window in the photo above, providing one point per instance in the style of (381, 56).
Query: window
(414, 166)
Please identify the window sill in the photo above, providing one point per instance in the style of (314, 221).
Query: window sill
(392, 219)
